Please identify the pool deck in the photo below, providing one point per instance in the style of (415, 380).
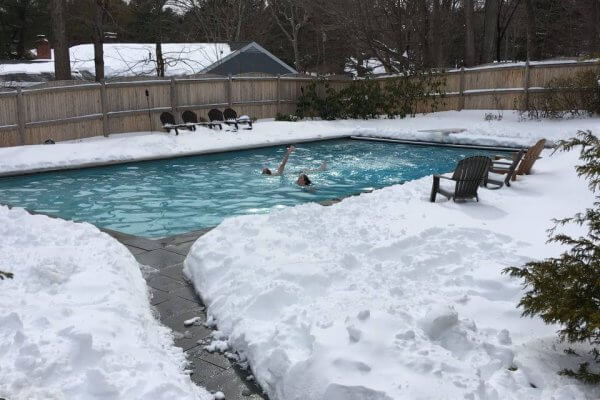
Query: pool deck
(174, 299)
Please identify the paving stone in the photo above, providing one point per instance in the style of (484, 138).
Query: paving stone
(196, 332)
(135, 251)
(182, 248)
(175, 306)
(233, 386)
(160, 258)
(174, 272)
(158, 296)
(204, 372)
(186, 237)
(215, 358)
(187, 292)
(164, 283)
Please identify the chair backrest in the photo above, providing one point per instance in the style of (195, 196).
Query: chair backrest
(215, 115)
(530, 157)
(189, 117)
(511, 170)
(229, 114)
(166, 118)
(468, 175)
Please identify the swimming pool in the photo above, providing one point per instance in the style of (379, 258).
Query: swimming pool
(167, 197)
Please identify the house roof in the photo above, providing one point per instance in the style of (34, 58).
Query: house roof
(253, 46)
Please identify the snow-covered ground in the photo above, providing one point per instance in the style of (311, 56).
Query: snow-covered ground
(147, 145)
(75, 321)
(388, 296)
(132, 59)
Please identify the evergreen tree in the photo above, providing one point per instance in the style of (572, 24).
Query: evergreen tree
(7, 275)
(566, 290)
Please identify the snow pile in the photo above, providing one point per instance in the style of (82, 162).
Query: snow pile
(387, 296)
(147, 145)
(75, 322)
(133, 59)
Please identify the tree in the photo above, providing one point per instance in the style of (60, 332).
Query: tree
(565, 290)
(62, 63)
(6, 275)
(532, 48)
(99, 9)
(469, 34)
(291, 16)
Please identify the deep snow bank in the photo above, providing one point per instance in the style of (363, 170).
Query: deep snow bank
(136, 146)
(387, 296)
(75, 322)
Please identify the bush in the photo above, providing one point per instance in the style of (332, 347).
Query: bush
(566, 290)
(367, 98)
(286, 117)
(567, 96)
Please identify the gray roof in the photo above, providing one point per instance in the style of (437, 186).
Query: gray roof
(250, 58)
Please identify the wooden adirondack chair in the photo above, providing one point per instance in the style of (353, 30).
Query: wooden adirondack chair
(503, 167)
(190, 118)
(168, 122)
(467, 177)
(530, 158)
(215, 115)
(231, 115)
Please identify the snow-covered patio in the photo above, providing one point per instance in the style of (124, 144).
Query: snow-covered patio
(382, 296)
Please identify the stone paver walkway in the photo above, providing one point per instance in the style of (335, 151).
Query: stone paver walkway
(175, 301)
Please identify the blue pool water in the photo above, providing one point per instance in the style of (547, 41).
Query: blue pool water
(167, 197)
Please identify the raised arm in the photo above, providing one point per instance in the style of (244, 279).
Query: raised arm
(285, 160)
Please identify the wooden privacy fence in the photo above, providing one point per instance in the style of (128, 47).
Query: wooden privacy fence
(32, 116)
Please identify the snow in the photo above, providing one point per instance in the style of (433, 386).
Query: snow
(133, 59)
(388, 296)
(510, 131)
(75, 321)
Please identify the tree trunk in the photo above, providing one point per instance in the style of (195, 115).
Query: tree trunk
(160, 61)
(98, 38)
(490, 31)
(423, 31)
(532, 48)
(296, 52)
(437, 54)
(62, 62)
(469, 34)
(595, 29)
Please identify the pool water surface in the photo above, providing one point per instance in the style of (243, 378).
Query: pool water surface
(167, 197)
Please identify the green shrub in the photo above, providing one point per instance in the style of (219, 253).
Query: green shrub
(566, 290)
(368, 98)
(5, 275)
(286, 117)
(567, 96)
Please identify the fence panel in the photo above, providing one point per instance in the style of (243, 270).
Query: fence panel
(75, 112)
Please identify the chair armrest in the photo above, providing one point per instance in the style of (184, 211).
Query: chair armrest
(502, 162)
(443, 177)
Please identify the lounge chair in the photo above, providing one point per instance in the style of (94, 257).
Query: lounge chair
(500, 167)
(191, 119)
(467, 177)
(529, 158)
(168, 123)
(231, 115)
(217, 115)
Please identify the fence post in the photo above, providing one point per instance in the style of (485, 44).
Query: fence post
(526, 85)
(461, 89)
(173, 96)
(229, 91)
(278, 93)
(104, 104)
(21, 115)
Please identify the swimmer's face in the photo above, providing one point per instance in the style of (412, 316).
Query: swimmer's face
(303, 180)
(266, 171)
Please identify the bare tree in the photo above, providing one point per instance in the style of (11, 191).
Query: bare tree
(62, 63)
(99, 9)
(490, 28)
(469, 34)
(291, 16)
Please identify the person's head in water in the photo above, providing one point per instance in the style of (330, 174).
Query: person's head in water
(303, 180)
(266, 171)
